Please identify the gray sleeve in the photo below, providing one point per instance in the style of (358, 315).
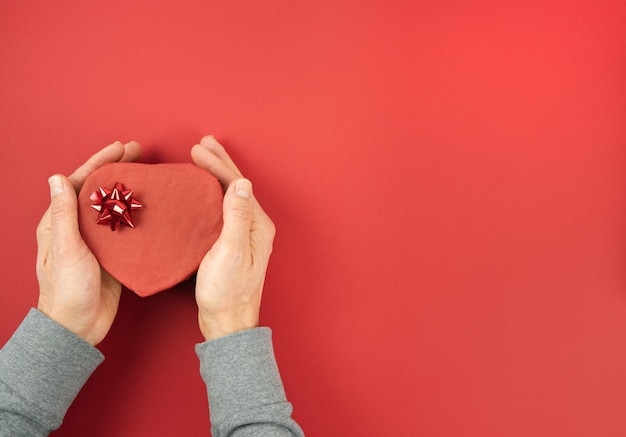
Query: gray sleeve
(42, 369)
(246, 394)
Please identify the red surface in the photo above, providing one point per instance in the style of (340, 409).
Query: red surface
(447, 179)
(169, 240)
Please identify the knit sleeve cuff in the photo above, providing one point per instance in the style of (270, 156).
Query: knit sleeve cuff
(45, 366)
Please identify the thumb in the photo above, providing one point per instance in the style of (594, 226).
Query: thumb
(63, 212)
(238, 214)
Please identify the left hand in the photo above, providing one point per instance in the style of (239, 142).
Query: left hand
(74, 290)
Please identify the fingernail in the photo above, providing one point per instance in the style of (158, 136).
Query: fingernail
(243, 188)
(56, 185)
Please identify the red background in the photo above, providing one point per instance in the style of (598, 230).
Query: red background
(447, 179)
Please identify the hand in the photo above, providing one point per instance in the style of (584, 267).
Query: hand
(73, 290)
(230, 279)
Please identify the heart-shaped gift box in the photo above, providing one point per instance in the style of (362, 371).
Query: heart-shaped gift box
(177, 222)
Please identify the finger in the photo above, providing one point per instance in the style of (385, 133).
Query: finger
(210, 143)
(208, 160)
(262, 233)
(207, 155)
(238, 214)
(43, 236)
(63, 214)
(132, 152)
(111, 153)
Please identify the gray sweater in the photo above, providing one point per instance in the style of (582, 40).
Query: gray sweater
(44, 366)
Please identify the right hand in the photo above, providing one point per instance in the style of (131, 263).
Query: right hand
(230, 278)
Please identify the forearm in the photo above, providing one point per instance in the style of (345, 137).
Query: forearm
(246, 394)
(42, 369)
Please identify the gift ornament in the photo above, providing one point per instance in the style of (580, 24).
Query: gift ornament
(155, 247)
(114, 206)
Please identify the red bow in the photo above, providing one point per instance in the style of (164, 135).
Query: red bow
(114, 206)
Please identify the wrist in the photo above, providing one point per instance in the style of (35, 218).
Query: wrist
(76, 329)
(213, 327)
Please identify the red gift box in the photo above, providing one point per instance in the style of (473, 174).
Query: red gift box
(150, 225)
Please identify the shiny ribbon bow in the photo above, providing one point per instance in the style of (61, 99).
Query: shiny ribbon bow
(114, 206)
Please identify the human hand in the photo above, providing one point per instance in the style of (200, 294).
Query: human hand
(230, 279)
(74, 291)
